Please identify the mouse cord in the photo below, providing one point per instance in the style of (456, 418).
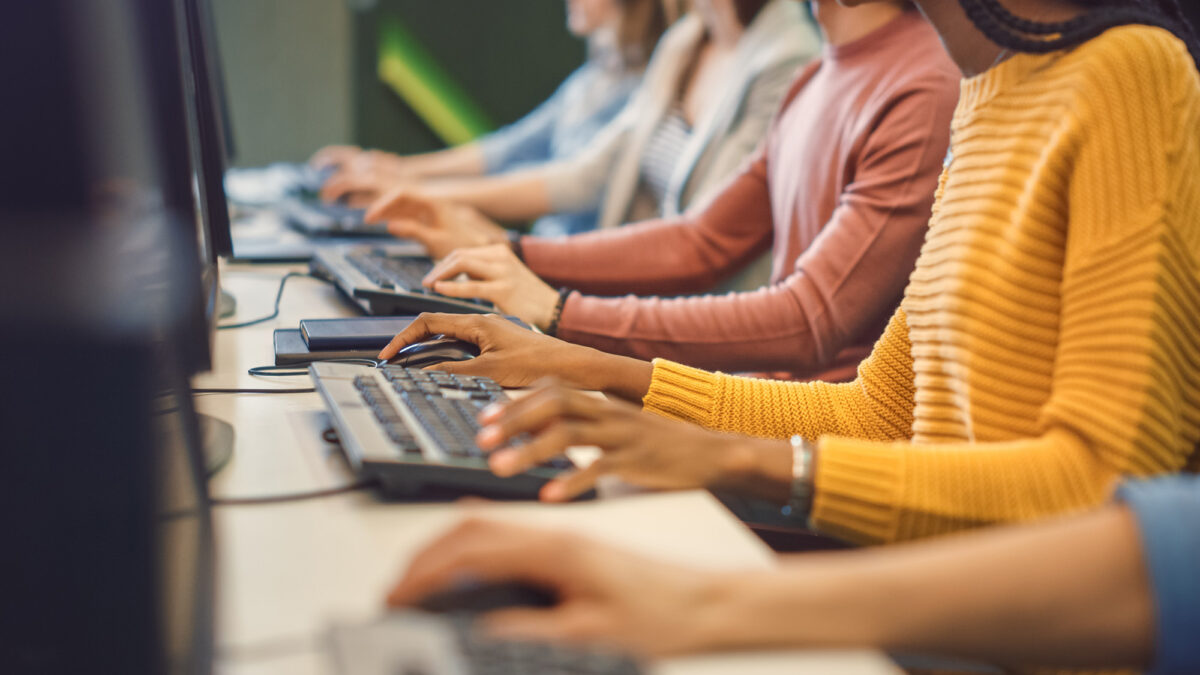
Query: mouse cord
(294, 496)
(278, 298)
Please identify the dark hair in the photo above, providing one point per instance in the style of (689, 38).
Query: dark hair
(1022, 35)
(748, 9)
(642, 24)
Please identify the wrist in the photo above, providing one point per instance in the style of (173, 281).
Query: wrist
(755, 467)
(550, 304)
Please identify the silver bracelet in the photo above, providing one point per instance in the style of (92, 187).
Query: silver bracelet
(800, 500)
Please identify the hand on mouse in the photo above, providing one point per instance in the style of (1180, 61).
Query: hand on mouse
(442, 226)
(639, 447)
(606, 596)
(496, 275)
(516, 357)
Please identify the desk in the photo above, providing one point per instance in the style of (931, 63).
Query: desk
(287, 571)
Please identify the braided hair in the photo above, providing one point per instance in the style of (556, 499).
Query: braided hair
(1010, 31)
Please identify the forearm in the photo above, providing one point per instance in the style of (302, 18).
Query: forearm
(763, 330)
(513, 197)
(687, 254)
(460, 161)
(1068, 593)
(619, 376)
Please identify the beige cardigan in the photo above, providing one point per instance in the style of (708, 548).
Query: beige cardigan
(605, 175)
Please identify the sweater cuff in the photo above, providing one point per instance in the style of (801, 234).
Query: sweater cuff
(681, 392)
(857, 490)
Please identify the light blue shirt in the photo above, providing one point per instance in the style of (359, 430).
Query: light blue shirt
(1168, 516)
(565, 123)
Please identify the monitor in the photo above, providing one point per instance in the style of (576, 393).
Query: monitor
(207, 102)
(108, 564)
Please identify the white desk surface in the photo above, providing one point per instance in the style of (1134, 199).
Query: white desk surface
(287, 571)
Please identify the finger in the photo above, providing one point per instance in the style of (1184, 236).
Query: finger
(487, 290)
(575, 483)
(560, 624)
(485, 551)
(550, 442)
(458, 326)
(407, 229)
(335, 188)
(463, 261)
(400, 205)
(528, 413)
(573, 403)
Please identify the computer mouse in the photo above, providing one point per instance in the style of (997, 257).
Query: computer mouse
(479, 598)
(437, 349)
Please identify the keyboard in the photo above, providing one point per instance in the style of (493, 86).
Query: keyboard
(318, 219)
(389, 272)
(414, 430)
(383, 280)
(412, 644)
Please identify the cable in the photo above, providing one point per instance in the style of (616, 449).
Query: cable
(295, 496)
(303, 390)
(278, 298)
(296, 370)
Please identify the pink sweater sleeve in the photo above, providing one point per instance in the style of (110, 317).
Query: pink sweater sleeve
(848, 281)
(688, 254)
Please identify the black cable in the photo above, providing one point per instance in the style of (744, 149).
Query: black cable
(278, 299)
(304, 390)
(296, 370)
(295, 496)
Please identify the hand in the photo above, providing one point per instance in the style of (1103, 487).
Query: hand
(639, 447)
(606, 596)
(334, 155)
(509, 354)
(361, 181)
(498, 276)
(441, 226)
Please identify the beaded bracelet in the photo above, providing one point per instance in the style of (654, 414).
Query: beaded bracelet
(552, 329)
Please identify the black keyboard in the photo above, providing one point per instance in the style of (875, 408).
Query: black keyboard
(444, 407)
(492, 657)
(391, 272)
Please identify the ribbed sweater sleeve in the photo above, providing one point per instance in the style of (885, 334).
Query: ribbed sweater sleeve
(1117, 289)
(681, 255)
(878, 405)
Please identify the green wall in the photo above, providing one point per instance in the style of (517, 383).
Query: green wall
(506, 55)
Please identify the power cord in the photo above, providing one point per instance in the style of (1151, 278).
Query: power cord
(294, 496)
(295, 370)
(278, 298)
(302, 390)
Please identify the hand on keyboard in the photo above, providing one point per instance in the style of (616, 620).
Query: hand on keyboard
(442, 226)
(640, 447)
(496, 275)
(606, 596)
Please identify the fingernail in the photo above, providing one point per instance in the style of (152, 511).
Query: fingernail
(490, 413)
(489, 437)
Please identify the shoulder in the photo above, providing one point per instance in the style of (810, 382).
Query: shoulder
(1138, 64)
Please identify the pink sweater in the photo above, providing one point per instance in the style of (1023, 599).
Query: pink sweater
(841, 191)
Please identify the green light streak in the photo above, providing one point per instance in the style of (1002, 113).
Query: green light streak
(411, 71)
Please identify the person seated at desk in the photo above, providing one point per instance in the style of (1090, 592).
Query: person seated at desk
(621, 35)
(1115, 588)
(1045, 347)
(709, 92)
(840, 192)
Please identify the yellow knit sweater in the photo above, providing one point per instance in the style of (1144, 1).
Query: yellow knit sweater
(1048, 340)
